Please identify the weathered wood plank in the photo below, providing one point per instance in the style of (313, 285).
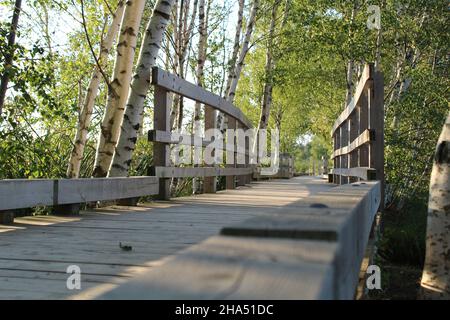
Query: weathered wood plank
(344, 214)
(100, 189)
(360, 172)
(182, 172)
(189, 90)
(237, 268)
(24, 193)
(365, 137)
(366, 80)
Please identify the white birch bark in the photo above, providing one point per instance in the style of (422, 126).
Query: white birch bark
(240, 61)
(244, 51)
(73, 169)
(236, 46)
(435, 282)
(270, 64)
(119, 87)
(199, 72)
(139, 87)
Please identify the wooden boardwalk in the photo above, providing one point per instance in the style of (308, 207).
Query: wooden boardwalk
(36, 251)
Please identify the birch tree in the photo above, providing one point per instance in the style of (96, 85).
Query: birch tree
(435, 282)
(10, 52)
(119, 86)
(182, 36)
(73, 170)
(236, 46)
(231, 93)
(269, 69)
(139, 87)
(199, 72)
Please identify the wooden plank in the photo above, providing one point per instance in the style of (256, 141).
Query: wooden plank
(100, 189)
(237, 268)
(230, 182)
(182, 87)
(161, 151)
(347, 215)
(360, 172)
(365, 81)
(182, 172)
(210, 181)
(25, 193)
(365, 137)
(377, 123)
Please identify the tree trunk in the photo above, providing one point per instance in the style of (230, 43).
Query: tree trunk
(240, 61)
(119, 87)
(139, 88)
(10, 53)
(199, 73)
(244, 51)
(269, 68)
(237, 38)
(435, 282)
(73, 170)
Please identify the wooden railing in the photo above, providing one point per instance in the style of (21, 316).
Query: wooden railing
(358, 133)
(166, 85)
(313, 249)
(65, 195)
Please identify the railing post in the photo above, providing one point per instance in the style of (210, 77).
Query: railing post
(353, 134)
(337, 145)
(161, 151)
(210, 183)
(241, 178)
(363, 152)
(376, 123)
(231, 155)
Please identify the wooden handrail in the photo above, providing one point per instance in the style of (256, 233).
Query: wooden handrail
(358, 133)
(314, 252)
(26, 193)
(189, 90)
(366, 77)
(165, 84)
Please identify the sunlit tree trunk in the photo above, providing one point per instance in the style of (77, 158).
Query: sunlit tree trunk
(436, 274)
(199, 72)
(10, 53)
(236, 46)
(269, 68)
(240, 61)
(244, 51)
(119, 87)
(73, 170)
(139, 87)
(182, 38)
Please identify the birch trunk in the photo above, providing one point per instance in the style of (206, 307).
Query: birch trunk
(244, 51)
(73, 170)
(236, 46)
(435, 282)
(119, 87)
(139, 87)
(183, 36)
(199, 73)
(10, 54)
(269, 67)
(240, 62)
